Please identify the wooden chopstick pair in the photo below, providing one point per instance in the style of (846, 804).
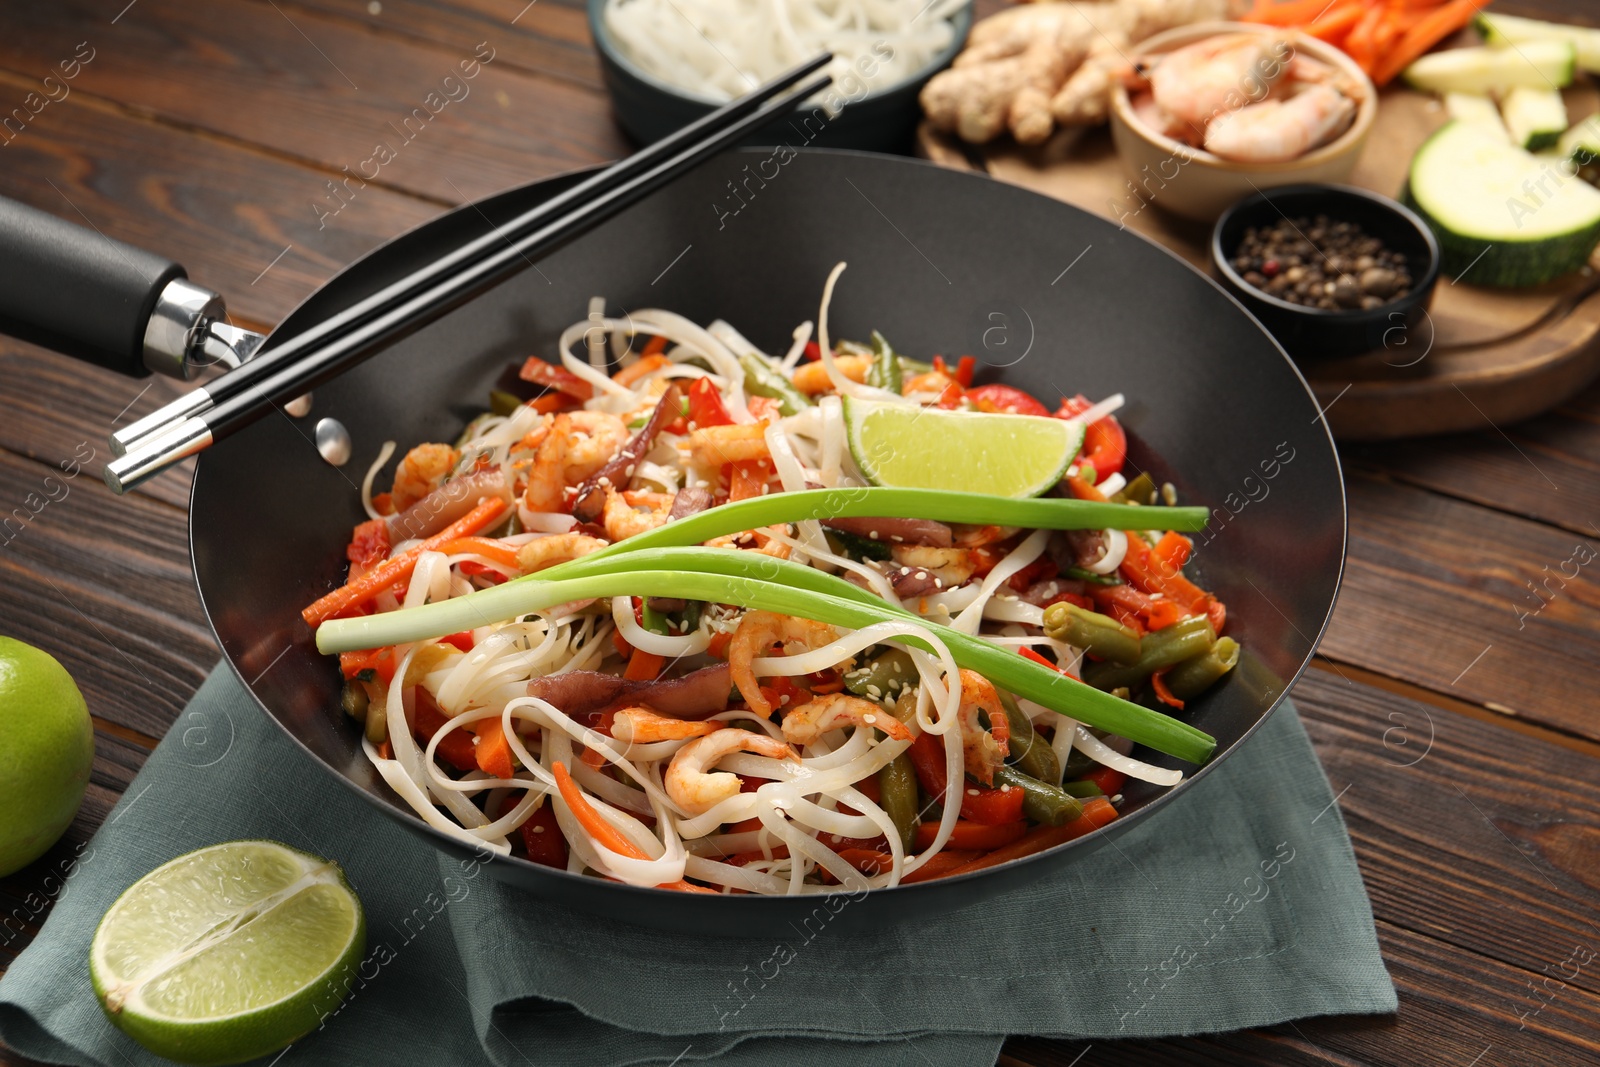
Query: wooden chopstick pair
(279, 373)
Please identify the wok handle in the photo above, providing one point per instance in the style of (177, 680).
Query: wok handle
(81, 293)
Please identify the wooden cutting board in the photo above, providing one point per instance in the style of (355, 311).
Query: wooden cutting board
(1495, 355)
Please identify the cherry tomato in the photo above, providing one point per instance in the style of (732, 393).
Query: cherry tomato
(1105, 445)
(1006, 400)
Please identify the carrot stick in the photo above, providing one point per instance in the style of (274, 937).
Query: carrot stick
(632, 373)
(486, 547)
(939, 866)
(1423, 34)
(604, 834)
(1292, 13)
(1336, 23)
(1360, 45)
(643, 666)
(1097, 812)
(400, 567)
(493, 750)
(973, 836)
(655, 346)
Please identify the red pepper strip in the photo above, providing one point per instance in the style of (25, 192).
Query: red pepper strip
(927, 755)
(399, 568)
(965, 368)
(1152, 576)
(1040, 570)
(1082, 490)
(380, 660)
(1109, 779)
(1097, 812)
(542, 837)
(654, 347)
(974, 836)
(1158, 682)
(705, 405)
(471, 568)
(455, 747)
(603, 833)
(739, 859)
(1105, 445)
(978, 803)
(1006, 400)
(1028, 653)
(462, 640)
(1173, 550)
(551, 376)
(812, 352)
(866, 860)
(941, 865)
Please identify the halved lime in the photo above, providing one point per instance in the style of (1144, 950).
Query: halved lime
(961, 451)
(228, 953)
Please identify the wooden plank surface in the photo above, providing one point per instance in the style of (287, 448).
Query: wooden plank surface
(208, 131)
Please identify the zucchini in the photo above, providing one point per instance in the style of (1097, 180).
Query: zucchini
(1535, 118)
(1502, 216)
(1581, 144)
(1535, 65)
(1501, 30)
(1478, 109)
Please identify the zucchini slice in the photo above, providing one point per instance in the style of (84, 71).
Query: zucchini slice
(1477, 109)
(1503, 30)
(1502, 216)
(1581, 144)
(1535, 118)
(1535, 65)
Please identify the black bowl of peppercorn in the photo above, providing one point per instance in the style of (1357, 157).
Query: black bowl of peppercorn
(1330, 270)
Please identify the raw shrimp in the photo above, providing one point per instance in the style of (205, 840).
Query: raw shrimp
(758, 631)
(691, 788)
(421, 472)
(622, 519)
(951, 566)
(803, 725)
(983, 755)
(547, 551)
(1217, 75)
(1275, 131)
(641, 725)
(577, 445)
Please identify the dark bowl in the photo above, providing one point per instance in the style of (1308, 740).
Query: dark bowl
(883, 120)
(1213, 406)
(1317, 333)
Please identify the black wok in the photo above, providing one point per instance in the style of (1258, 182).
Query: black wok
(1050, 298)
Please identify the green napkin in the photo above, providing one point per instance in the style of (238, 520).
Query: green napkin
(1241, 907)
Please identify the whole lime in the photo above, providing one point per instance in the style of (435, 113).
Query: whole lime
(46, 749)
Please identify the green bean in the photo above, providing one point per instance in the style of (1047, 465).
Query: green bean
(1041, 801)
(1198, 673)
(502, 402)
(1163, 648)
(1142, 490)
(653, 620)
(1081, 790)
(1030, 753)
(762, 380)
(1078, 764)
(884, 676)
(884, 372)
(377, 725)
(897, 795)
(354, 701)
(914, 366)
(1093, 632)
(1091, 577)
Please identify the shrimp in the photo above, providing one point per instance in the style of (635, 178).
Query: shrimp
(544, 552)
(622, 520)
(803, 725)
(714, 446)
(691, 788)
(949, 566)
(641, 725)
(1217, 75)
(421, 472)
(758, 631)
(577, 445)
(982, 753)
(812, 378)
(1276, 131)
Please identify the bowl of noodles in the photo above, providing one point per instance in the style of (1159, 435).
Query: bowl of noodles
(697, 574)
(667, 63)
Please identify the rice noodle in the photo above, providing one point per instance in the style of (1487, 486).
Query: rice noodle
(372, 472)
(1100, 752)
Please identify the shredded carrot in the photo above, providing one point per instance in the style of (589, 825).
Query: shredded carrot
(605, 835)
(1158, 681)
(399, 568)
(1423, 34)
(493, 750)
(634, 371)
(487, 547)
(1097, 812)
(643, 666)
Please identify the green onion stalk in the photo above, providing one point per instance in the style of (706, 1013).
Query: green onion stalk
(764, 583)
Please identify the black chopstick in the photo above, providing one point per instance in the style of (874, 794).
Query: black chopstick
(273, 358)
(428, 303)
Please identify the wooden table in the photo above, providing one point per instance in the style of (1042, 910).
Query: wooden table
(1453, 704)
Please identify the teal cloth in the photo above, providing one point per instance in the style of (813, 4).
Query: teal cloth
(1241, 907)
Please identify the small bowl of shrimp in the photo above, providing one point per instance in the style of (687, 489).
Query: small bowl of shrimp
(1209, 113)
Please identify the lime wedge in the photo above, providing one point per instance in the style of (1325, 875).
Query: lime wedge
(912, 447)
(228, 953)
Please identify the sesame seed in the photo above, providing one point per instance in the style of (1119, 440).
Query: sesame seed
(538, 829)
(972, 792)
(922, 576)
(869, 719)
(1006, 788)
(872, 534)
(896, 538)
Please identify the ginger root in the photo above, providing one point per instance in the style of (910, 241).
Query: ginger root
(1030, 68)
